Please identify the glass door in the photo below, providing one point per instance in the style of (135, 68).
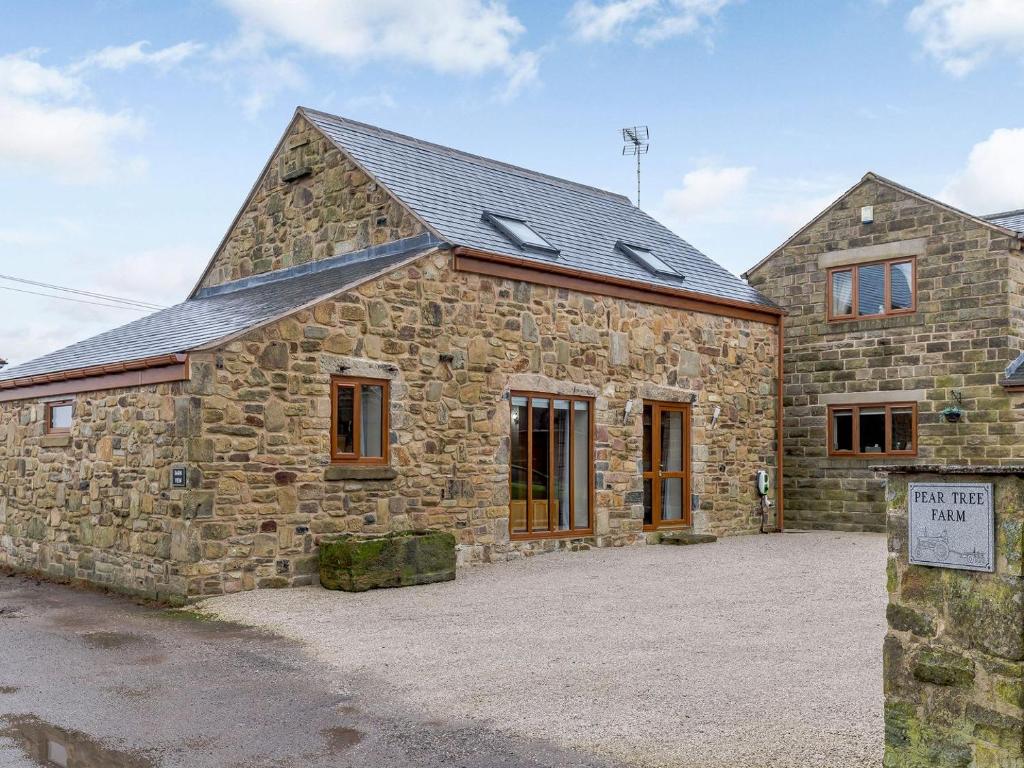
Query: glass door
(666, 465)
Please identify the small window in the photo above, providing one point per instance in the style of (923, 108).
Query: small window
(58, 416)
(359, 420)
(871, 290)
(519, 232)
(552, 468)
(646, 259)
(873, 430)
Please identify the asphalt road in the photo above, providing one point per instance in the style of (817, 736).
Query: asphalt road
(89, 680)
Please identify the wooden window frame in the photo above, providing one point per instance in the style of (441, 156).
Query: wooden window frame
(552, 532)
(854, 270)
(357, 382)
(856, 453)
(655, 475)
(50, 429)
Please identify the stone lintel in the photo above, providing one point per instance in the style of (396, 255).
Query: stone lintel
(340, 472)
(913, 247)
(868, 398)
(536, 382)
(358, 367)
(666, 394)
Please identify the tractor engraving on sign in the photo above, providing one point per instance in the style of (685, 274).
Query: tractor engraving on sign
(951, 525)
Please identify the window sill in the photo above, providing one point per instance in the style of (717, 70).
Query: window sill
(355, 472)
(877, 323)
(55, 441)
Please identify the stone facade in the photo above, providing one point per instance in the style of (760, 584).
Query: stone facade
(96, 504)
(252, 428)
(954, 652)
(964, 334)
(251, 425)
(452, 345)
(310, 203)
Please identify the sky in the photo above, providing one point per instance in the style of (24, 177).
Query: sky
(131, 132)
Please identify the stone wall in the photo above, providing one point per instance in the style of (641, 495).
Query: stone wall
(252, 428)
(311, 203)
(96, 504)
(954, 652)
(960, 338)
(453, 344)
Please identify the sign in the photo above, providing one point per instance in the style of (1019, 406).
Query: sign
(177, 477)
(952, 525)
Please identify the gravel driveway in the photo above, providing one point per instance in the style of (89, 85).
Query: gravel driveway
(754, 651)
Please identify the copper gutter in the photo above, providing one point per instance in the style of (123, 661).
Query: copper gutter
(149, 370)
(779, 515)
(473, 260)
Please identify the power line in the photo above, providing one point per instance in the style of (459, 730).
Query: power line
(90, 294)
(79, 301)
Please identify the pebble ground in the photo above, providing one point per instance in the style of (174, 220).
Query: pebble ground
(755, 651)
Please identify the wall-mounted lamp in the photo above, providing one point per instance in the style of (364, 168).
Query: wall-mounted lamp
(715, 414)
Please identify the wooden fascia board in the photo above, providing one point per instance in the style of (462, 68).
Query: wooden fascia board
(157, 374)
(496, 265)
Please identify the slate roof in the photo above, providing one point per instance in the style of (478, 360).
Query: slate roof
(450, 190)
(1010, 219)
(224, 312)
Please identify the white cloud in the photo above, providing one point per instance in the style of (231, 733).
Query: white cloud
(650, 21)
(163, 275)
(962, 34)
(471, 37)
(47, 123)
(123, 56)
(704, 191)
(990, 181)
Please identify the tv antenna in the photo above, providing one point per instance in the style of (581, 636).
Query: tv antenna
(637, 141)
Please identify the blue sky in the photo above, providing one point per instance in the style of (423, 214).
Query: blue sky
(130, 132)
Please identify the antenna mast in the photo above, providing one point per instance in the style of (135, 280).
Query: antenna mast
(637, 141)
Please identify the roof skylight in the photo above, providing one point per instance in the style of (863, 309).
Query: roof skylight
(646, 259)
(519, 232)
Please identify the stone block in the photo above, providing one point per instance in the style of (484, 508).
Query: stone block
(360, 563)
(942, 667)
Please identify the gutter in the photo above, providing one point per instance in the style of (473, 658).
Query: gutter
(147, 370)
(772, 313)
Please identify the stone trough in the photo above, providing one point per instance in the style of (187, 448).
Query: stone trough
(359, 563)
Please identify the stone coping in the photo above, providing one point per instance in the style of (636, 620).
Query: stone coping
(949, 469)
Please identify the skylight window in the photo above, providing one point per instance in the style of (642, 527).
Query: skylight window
(646, 259)
(519, 232)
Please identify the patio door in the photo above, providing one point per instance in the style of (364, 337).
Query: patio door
(666, 465)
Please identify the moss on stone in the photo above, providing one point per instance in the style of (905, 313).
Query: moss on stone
(359, 563)
(943, 667)
(905, 619)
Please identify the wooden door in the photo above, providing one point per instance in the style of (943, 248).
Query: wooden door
(666, 465)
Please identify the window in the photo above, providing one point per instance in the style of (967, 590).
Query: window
(872, 430)
(58, 416)
(646, 259)
(872, 290)
(519, 232)
(552, 470)
(359, 420)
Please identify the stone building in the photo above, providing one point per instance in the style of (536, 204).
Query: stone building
(395, 335)
(898, 308)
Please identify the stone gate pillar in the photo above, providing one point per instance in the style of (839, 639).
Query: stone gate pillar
(954, 651)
